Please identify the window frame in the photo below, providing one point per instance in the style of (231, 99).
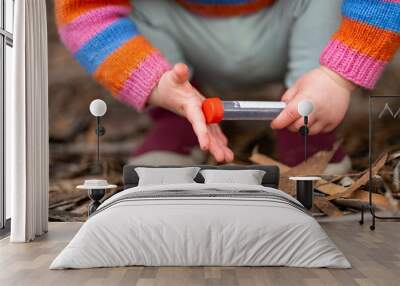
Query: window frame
(6, 39)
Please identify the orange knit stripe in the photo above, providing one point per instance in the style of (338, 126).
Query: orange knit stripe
(226, 9)
(116, 69)
(368, 40)
(68, 10)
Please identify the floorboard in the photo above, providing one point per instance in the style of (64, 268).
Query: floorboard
(375, 257)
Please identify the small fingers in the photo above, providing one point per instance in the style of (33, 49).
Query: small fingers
(287, 117)
(229, 156)
(329, 128)
(216, 149)
(196, 118)
(210, 139)
(289, 94)
(300, 122)
(218, 132)
(180, 73)
(217, 137)
(220, 152)
(316, 128)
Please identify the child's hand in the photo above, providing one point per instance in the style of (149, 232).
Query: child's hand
(175, 93)
(330, 94)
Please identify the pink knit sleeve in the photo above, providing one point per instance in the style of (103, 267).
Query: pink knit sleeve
(367, 39)
(104, 40)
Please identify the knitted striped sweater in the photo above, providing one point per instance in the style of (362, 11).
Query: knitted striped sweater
(102, 37)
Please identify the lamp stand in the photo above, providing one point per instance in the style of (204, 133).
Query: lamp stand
(304, 132)
(100, 131)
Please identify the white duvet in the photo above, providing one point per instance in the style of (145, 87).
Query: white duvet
(188, 231)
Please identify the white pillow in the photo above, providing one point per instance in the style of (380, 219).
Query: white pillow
(248, 177)
(164, 176)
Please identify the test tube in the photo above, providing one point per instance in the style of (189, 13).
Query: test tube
(215, 110)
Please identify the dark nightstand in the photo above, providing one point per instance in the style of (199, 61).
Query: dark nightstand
(96, 190)
(305, 190)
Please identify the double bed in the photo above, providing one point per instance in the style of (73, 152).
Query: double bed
(201, 224)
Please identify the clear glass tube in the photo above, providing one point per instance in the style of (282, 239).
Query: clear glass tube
(252, 110)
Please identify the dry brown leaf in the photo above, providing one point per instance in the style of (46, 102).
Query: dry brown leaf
(261, 159)
(328, 188)
(285, 184)
(378, 200)
(315, 165)
(327, 207)
(362, 180)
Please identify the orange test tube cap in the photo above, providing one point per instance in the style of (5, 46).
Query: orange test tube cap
(213, 110)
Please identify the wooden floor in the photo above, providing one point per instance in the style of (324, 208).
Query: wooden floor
(375, 257)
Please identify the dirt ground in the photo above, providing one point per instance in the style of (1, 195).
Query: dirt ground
(73, 140)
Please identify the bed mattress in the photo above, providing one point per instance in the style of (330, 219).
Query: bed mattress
(201, 225)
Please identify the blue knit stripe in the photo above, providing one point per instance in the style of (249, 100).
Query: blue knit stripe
(381, 14)
(95, 51)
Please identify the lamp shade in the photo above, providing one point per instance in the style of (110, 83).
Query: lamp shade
(98, 107)
(305, 107)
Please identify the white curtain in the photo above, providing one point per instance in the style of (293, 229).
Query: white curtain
(27, 124)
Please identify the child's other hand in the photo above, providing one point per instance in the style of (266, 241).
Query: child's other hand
(175, 93)
(330, 94)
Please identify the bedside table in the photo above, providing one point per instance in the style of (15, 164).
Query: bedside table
(96, 190)
(305, 189)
